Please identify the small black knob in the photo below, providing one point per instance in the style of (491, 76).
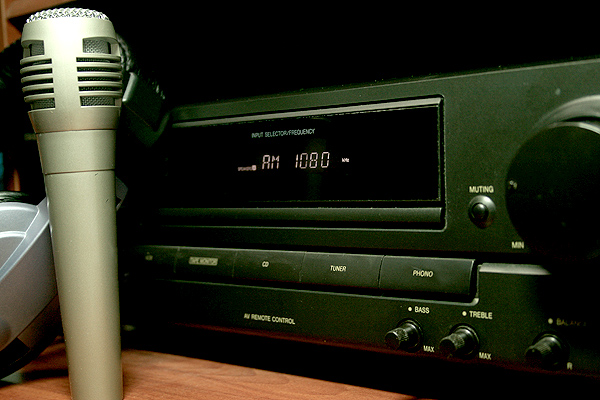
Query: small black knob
(482, 211)
(462, 342)
(407, 336)
(479, 212)
(548, 352)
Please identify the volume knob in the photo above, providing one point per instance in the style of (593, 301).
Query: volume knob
(554, 190)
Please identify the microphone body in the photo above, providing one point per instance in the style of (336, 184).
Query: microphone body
(71, 76)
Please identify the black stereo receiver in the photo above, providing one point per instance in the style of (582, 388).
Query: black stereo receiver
(451, 217)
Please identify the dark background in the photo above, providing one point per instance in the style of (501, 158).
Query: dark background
(209, 51)
(204, 51)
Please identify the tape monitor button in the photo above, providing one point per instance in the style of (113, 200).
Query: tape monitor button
(202, 263)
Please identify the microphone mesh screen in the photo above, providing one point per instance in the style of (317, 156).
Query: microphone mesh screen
(96, 46)
(103, 67)
(93, 101)
(66, 13)
(37, 48)
(42, 104)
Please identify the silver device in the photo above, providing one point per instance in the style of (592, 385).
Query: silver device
(71, 76)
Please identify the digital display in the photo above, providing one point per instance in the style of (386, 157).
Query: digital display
(360, 156)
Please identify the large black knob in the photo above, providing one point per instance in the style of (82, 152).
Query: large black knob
(554, 190)
(407, 336)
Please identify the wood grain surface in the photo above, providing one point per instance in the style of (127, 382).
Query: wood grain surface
(149, 376)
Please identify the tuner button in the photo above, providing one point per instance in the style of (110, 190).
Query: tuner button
(548, 353)
(405, 337)
(462, 342)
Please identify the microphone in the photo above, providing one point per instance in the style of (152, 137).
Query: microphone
(72, 79)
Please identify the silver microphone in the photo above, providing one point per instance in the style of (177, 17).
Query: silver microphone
(72, 79)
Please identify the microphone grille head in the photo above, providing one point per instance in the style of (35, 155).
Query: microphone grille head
(71, 70)
(66, 13)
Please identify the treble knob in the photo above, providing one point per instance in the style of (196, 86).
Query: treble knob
(462, 342)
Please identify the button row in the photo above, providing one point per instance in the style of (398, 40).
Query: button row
(438, 276)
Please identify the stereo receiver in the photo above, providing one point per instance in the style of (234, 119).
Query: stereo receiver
(449, 217)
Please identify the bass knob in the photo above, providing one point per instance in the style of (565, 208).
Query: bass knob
(407, 336)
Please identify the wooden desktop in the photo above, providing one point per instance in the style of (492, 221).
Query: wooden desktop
(152, 375)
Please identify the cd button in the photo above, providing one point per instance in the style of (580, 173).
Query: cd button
(439, 276)
(205, 263)
(281, 266)
(352, 270)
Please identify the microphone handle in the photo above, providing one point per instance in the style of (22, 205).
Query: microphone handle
(81, 203)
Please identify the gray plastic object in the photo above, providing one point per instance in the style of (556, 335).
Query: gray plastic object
(29, 307)
(29, 311)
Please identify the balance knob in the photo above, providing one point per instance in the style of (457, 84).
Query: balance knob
(549, 352)
(553, 184)
(405, 337)
(462, 342)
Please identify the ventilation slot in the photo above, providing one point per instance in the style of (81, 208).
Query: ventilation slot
(36, 49)
(36, 77)
(41, 81)
(42, 104)
(92, 101)
(39, 71)
(98, 79)
(96, 46)
(99, 76)
(94, 59)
